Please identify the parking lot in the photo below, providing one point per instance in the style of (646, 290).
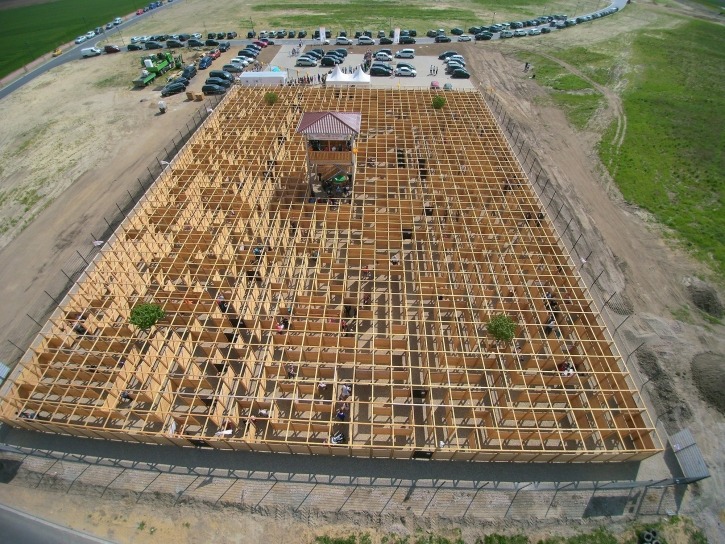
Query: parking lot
(422, 64)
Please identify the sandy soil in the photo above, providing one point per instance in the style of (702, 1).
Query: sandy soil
(76, 139)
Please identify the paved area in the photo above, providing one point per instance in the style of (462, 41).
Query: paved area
(422, 65)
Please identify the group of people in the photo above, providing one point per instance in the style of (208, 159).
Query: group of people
(318, 79)
(433, 71)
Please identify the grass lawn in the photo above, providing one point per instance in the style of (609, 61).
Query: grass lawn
(672, 162)
(31, 31)
(576, 97)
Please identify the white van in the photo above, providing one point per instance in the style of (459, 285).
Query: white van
(405, 54)
(90, 52)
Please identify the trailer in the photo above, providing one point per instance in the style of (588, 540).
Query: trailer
(156, 65)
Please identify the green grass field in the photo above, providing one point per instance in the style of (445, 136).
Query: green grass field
(576, 97)
(31, 31)
(672, 162)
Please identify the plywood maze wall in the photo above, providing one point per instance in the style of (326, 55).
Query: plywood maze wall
(347, 327)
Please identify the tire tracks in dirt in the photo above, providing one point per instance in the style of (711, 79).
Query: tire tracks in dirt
(614, 103)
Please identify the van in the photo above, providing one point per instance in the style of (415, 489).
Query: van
(90, 52)
(405, 54)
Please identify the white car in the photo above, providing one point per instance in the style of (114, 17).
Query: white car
(405, 54)
(136, 39)
(241, 61)
(81, 39)
(534, 32)
(196, 36)
(342, 40)
(457, 58)
(383, 56)
(464, 38)
(90, 34)
(404, 71)
(365, 40)
(117, 21)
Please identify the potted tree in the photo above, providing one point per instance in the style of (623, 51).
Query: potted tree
(502, 328)
(438, 102)
(270, 98)
(145, 315)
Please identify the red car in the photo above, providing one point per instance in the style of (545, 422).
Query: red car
(139, 12)
(260, 43)
(215, 54)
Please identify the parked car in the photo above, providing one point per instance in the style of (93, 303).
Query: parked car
(405, 54)
(211, 42)
(404, 65)
(222, 74)
(448, 87)
(173, 88)
(534, 32)
(455, 58)
(251, 34)
(306, 62)
(99, 30)
(446, 54)
(90, 35)
(342, 40)
(213, 89)
(139, 11)
(506, 34)
(330, 61)
(224, 46)
(218, 81)
(173, 44)
(81, 39)
(380, 71)
(404, 71)
(406, 40)
(205, 62)
(109, 26)
(58, 52)
(519, 33)
(233, 68)
(435, 85)
(383, 56)
(189, 72)
(111, 49)
(134, 47)
(341, 50)
(464, 38)
(385, 41)
(231, 35)
(365, 40)
(260, 43)
(302, 34)
(117, 21)
(153, 45)
(484, 35)
(193, 42)
(545, 30)
(248, 53)
(442, 39)
(180, 79)
(215, 54)
(456, 31)
(460, 74)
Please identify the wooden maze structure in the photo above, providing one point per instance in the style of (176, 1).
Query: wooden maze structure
(354, 326)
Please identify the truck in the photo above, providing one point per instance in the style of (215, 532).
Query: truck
(90, 52)
(156, 65)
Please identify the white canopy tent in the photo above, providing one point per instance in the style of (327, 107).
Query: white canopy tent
(339, 78)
